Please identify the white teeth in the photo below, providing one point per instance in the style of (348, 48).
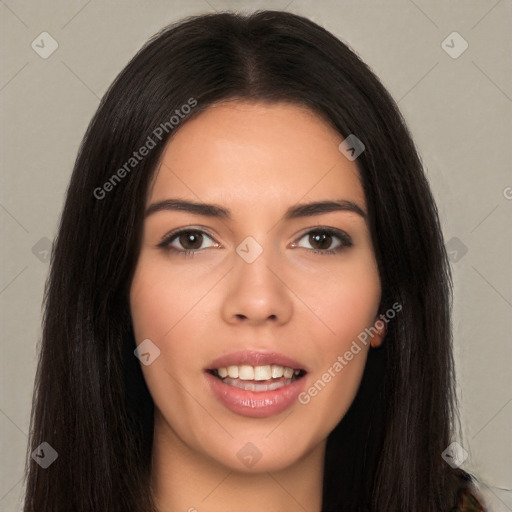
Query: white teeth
(256, 386)
(232, 371)
(246, 372)
(277, 371)
(257, 373)
(262, 372)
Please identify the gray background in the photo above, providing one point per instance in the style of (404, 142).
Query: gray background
(459, 112)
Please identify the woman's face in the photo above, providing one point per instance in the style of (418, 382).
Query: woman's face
(268, 287)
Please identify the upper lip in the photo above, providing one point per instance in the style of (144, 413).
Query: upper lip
(255, 358)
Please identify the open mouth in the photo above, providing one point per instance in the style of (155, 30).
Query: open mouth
(258, 378)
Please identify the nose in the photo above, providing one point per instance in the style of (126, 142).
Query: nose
(257, 293)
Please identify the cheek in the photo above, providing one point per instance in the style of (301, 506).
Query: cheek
(171, 308)
(330, 393)
(159, 313)
(347, 303)
(153, 312)
(162, 312)
(346, 300)
(162, 298)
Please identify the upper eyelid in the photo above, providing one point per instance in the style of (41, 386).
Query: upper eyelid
(178, 231)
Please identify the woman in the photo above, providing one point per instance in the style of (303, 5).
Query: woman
(247, 216)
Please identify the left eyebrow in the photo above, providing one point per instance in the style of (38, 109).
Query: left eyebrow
(320, 207)
(293, 212)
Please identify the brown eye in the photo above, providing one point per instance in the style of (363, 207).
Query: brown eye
(322, 240)
(186, 241)
(190, 240)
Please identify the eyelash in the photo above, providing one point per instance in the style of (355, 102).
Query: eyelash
(344, 238)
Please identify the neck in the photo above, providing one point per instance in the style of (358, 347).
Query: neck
(186, 480)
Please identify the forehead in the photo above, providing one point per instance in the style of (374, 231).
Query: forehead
(255, 153)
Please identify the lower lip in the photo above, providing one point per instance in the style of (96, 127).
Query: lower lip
(255, 404)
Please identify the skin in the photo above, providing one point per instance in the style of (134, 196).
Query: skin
(256, 160)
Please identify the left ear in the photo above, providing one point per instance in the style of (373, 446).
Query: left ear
(380, 330)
